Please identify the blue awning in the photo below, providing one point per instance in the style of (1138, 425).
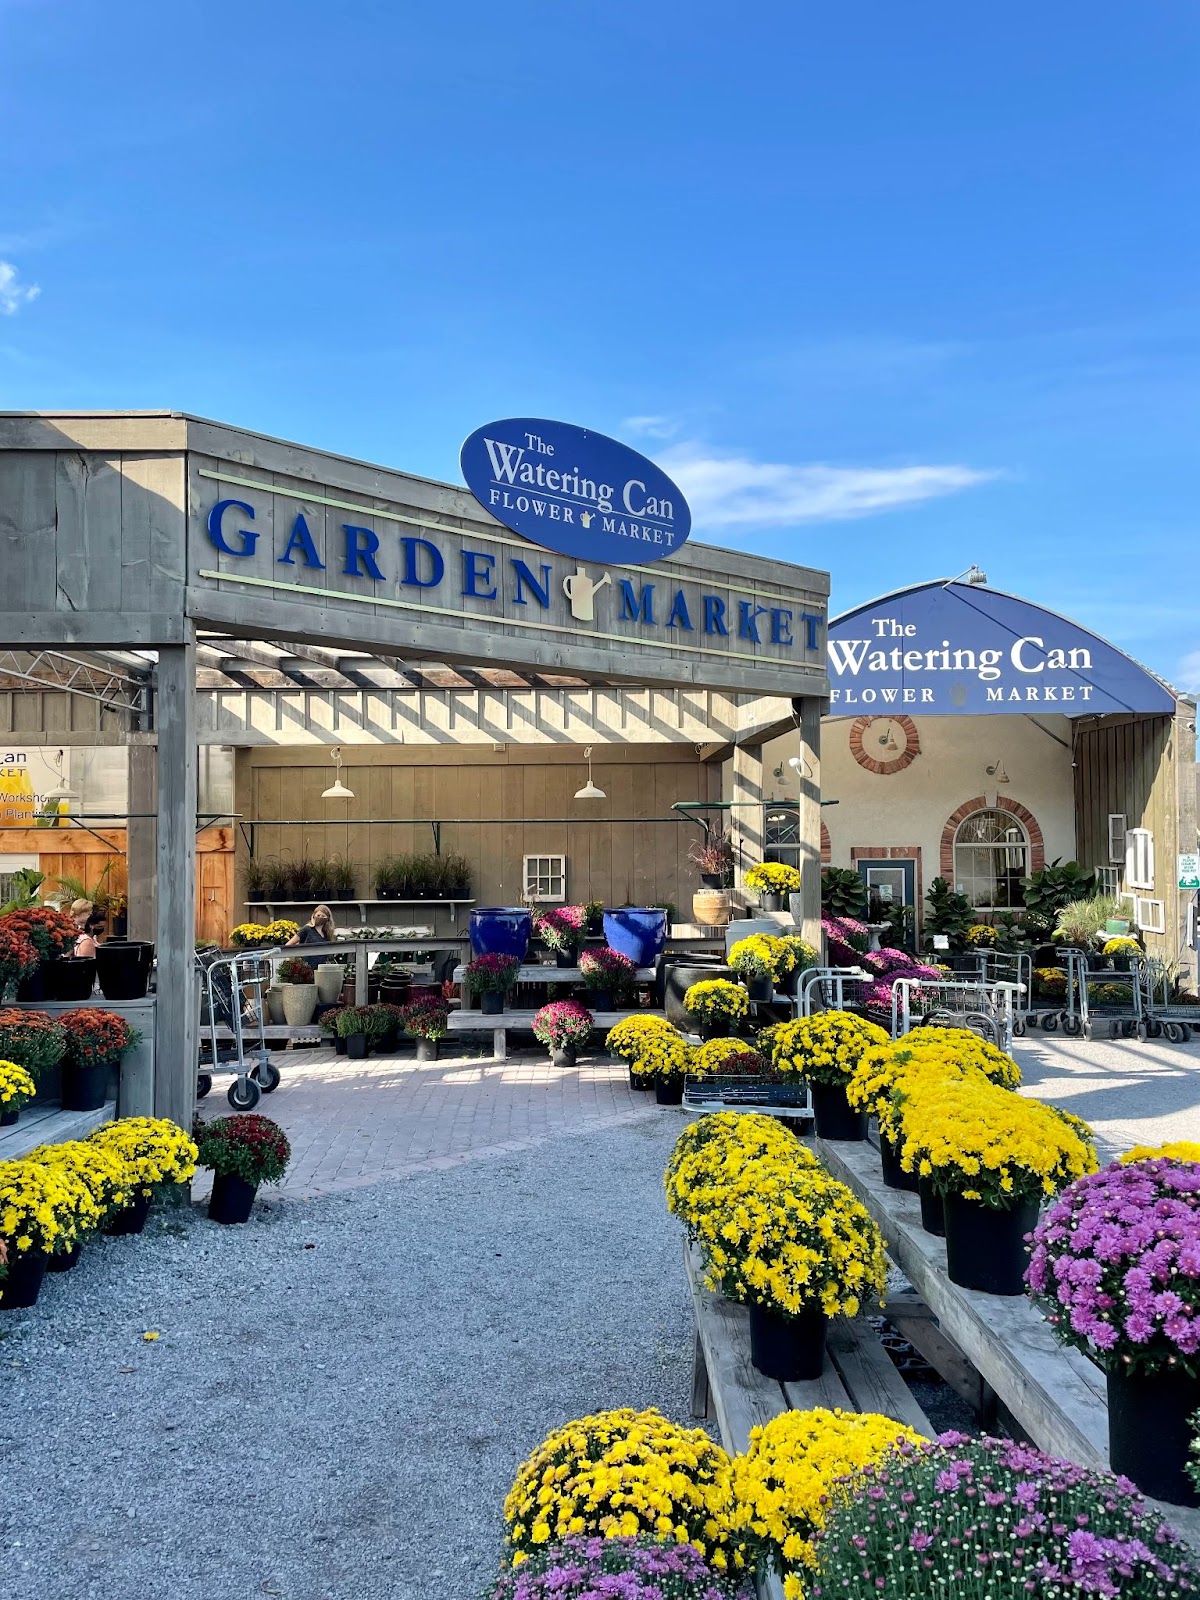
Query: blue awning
(951, 649)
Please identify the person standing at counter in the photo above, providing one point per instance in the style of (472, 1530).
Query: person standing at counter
(318, 929)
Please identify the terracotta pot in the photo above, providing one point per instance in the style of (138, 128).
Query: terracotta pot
(712, 908)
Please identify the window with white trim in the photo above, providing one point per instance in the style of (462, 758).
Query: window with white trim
(1151, 916)
(9, 867)
(1108, 880)
(1116, 836)
(1139, 858)
(991, 856)
(546, 879)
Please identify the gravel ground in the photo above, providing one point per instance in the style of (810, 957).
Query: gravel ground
(340, 1392)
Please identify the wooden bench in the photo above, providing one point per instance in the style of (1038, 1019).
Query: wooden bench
(858, 1376)
(499, 1024)
(1054, 1394)
(533, 972)
(50, 1124)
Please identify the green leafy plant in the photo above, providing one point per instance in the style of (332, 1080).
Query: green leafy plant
(1082, 922)
(343, 875)
(949, 912)
(321, 883)
(277, 880)
(843, 893)
(1047, 891)
(26, 881)
(254, 877)
(246, 1146)
(70, 888)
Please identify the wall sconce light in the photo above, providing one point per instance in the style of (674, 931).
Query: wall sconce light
(996, 770)
(590, 791)
(337, 790)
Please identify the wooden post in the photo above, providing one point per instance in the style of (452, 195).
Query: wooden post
(140, 848)
(809, 804)
(746, 819)
(176, 1024)
(362, 989)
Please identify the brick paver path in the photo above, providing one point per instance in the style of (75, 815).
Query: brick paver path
(352, 1123)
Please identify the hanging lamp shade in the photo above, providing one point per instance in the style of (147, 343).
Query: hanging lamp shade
(590, 791)
(337, 790)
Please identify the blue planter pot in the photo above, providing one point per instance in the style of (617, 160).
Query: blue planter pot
(638, 932)
(501, 931)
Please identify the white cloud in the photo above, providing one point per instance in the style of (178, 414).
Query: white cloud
(1188, 674)
(737, 493)
(14, 294)
(651, 427)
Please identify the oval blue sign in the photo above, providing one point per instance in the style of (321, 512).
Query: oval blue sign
(576, 492)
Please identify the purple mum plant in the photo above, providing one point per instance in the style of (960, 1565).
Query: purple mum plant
(1116, 1265)
(563, 1024)
(612, 1569)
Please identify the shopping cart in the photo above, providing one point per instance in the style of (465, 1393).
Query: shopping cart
(233, 995)
(987, 1009)
(1016, 968)
(833, 989)
(1095, 996)
(1161, 1017)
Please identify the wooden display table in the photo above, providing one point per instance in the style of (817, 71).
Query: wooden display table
(498, 1025)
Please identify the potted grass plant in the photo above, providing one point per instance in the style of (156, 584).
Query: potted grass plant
(243, 1151)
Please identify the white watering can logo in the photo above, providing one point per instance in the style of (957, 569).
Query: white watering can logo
(581, 591)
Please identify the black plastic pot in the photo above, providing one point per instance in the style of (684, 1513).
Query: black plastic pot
(72, 978)
(23, 1283)
(64, 1260)
(85, 1088)
(669, 1091)
(894, 1175)
(933, 1211)
(709, 1030)
(9, 1119)
(787, 1348)
(835, 1117)
(232, 1198)
(641, 1084)
(564, 1056)
(1122, 963)
(123, 968)
(985, 1248)
(565, 959)
(339, 1044)
(427, 1049)
(710, 880)
(771, 902)
(1149, 1430)
(491, 1003)
(34, 987)
(760, 989)
(599, 1000)
(356, 1046)
(132, 1219)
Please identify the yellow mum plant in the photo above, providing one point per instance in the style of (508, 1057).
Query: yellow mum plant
(17, 1088)
(101, 1170)
(43, 1208)
(825, 1048)
(762, 955)
(1178, 1150)
(773, 877)
(986, 1144)
(626, 1038)
(789, 1238)
(716, 1149)
(714, 1053)
(782, 1483)
(969, 1049)
(716, 1000)
(925, 1052)
(252, 935)
(980, 936)
(620, 1474)
(153, 1150)
(663, 1056)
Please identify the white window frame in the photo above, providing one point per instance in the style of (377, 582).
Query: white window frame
(1108, 880)
(15, 863)
(540, 872)
(1116, 837)
(1151, 916)
(1022, 842)
(1139, 858)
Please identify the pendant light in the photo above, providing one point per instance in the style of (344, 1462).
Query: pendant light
(590, 790)
(337, 790)
(62, 790)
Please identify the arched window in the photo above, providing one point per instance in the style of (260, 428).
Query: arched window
(781, 834)
(991, 856)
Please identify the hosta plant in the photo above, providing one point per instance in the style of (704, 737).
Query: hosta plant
(625, 1473)
(246, 1146)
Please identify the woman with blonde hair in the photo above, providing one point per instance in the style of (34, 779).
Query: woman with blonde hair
(318, 929)
(82, 914)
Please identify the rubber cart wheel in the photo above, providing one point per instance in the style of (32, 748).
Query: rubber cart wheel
(268, 1076)
(1172, 1032)
(1018, 1027)
(1186, 1029)
(1129, 1029)
(244, 1099)
(1155, 1029)
(1050, 1022)
(1114, 1030)
(203, 1084)
(1143, 1031)
(1072, 1026)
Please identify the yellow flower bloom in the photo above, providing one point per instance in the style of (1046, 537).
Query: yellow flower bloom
(825, 1048)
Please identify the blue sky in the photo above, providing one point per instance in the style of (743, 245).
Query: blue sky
(889, 289)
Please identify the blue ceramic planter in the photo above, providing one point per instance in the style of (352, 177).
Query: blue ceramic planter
(501, 931)
(639, 932)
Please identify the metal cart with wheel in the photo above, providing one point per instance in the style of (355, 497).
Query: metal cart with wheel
(831, 989)
(233, 996)
(987, 1009)
(1161, 1017)
(1098, 997)
(1015, 968)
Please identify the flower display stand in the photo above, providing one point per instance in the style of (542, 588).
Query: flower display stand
(500, 1026)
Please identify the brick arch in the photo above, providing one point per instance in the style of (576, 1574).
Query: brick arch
(1037, 844)
(826, 846)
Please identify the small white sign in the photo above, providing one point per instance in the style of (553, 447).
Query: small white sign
(1189, 870)
(941, 941)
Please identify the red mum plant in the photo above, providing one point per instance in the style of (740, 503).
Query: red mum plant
(18, 958)
(293, 970)
(51, 933)
(247, 1146)
(563, 1024)
(608, 970)
(491, 974)
(94, 1037)
(33, 1039)
(426, 1017)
